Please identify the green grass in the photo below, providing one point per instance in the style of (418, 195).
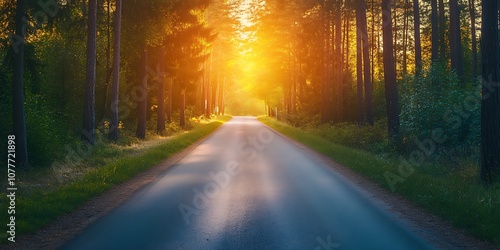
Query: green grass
(37, 209)
(454, 196)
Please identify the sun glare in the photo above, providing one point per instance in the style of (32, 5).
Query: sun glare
(244, 13)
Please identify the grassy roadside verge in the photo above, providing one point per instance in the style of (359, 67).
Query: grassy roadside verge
(464, 202)
(35, 210)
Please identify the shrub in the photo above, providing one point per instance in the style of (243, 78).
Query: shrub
(47, 132)
(437, 100)
(373, 138)
(301, 119)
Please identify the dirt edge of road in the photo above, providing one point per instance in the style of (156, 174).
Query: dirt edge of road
(437, 231)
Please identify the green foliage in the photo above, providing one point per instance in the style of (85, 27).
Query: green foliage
(302, 119)
(54, 73)
(372, 138)
(47, 133)
(437, 100)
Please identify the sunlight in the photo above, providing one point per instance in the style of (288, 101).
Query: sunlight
(244, 10)
(244, 14)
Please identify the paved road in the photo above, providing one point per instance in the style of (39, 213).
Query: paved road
(246, 187)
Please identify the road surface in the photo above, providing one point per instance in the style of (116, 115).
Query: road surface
(246, 187)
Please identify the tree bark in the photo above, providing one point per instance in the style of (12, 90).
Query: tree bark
(182, 115)
(338, 56)
(325, 93)
(391, 91)
(113, 127)
(88, 131)
(366, 64)
(442, 30)
(169, 108)
(204, 90)
(217, 87)
(404, 64)
(346, 71)
(490, 102)
(142, 107)
(19, 119)
(289, 82)
(373, 48)
(208, 111)
(160, 121)
(359, 70)
(472, 10)
(109, 69)
(455, 39)
(416, 34)
(435, 31)
(295, 79)
(223, 97)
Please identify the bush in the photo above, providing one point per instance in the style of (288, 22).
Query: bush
(301, 119)
(438, 101)
(373, 138)
(47, 132)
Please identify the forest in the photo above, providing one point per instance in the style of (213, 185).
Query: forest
(414, 80)
(341, 66)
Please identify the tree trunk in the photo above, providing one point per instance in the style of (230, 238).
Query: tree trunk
(416, 34)
(142, 107)
(472, 10)
(435, 31)
(395, 28)
(223, 97)
(109, 69)
(209, 88)
(217, 87)
(391, 91)
(338, 56)
(204, 90)
(222, 91)
(490, 102)
(160, 121)
(379, 45)
(88, 131)
(325, 93)
(366, 64)
(405, 37)
(359, 70)
(345, 69)
(442, 30)
(373, 48)
(295, 79)
(455, 39)
(169, 108)
(113, 126)
(182, 115)
(19, 119)
(301, 85)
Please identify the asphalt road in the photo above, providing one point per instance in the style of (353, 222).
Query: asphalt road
(246, 187)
